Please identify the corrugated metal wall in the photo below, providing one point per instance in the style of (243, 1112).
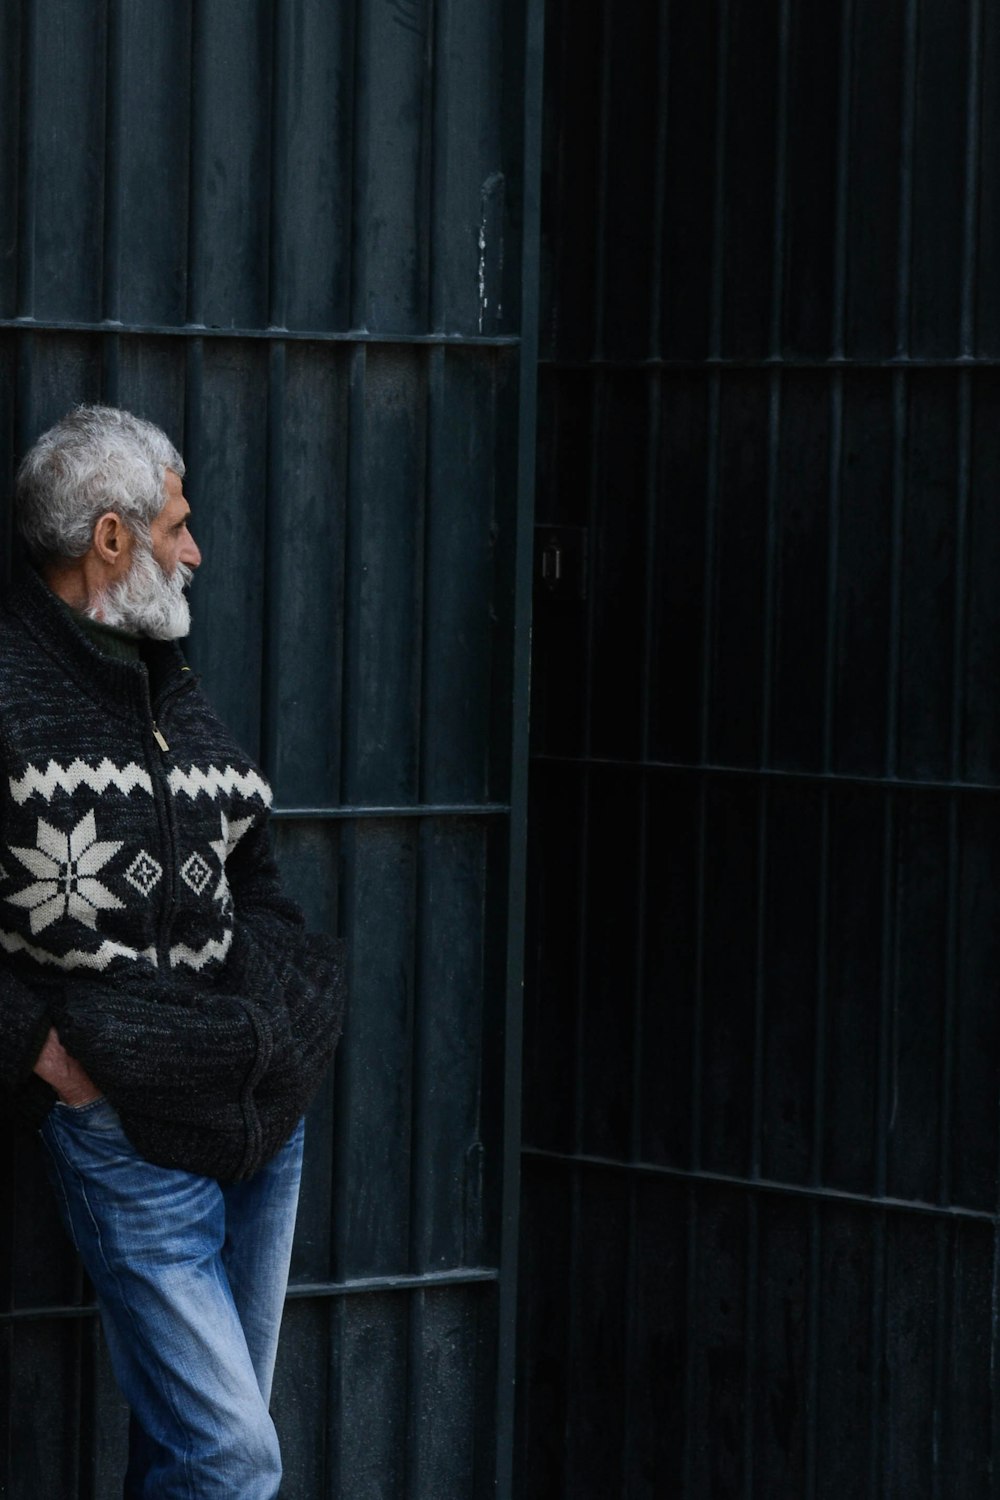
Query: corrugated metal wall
(289, 232)
(761, 1242)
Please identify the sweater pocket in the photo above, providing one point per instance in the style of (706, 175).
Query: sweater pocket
(174, 1071)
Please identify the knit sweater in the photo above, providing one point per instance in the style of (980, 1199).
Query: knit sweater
(140, 908)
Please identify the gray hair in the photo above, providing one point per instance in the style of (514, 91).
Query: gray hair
(96, 459)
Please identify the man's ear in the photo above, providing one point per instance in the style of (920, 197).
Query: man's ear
(110, 539)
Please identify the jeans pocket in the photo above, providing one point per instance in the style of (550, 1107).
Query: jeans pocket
(98, 1114)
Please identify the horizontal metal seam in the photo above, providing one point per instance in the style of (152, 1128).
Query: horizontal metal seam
(301, 1291)
(406, 810)
(656, 363)
(300, 335)
(810, 1192)
(771, 773)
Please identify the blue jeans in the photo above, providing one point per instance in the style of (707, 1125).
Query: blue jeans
(190, 1276)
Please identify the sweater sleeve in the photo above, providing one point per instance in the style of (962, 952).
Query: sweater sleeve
(295, 977)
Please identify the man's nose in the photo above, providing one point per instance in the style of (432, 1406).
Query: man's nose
(190, 553)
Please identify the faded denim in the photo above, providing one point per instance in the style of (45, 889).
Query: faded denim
(190, 1276)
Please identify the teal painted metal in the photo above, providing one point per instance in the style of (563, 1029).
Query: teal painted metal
(761, 1225)
(292, 233)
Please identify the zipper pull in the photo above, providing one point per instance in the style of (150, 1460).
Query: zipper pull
(158, 737)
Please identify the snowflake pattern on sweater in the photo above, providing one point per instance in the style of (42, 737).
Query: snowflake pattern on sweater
(115, 849)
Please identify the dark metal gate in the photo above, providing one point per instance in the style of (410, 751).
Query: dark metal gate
(290, 233)
(761, 1229)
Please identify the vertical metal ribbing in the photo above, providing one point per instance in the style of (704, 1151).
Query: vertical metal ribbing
(351, 646)
(601, 192)
(994, 1460)
(904, 271)
(195, 300)
(338, 1253)
(839, 318)
(945, 1250)
(598, 406)
(763, 808)
(691, 1348)
(780, 182)
(436, 419)
(814, 1274)
(755, 1143)
(414, 1386)
(421, 1059)
(834, 478)
(956, 759)
(583, 877)
(276, 377)
(771, 548)
(192, 441)
(111, 229)
(270, 645)
(82, 1435)
(654, 396)
(337, 1309)
(698, 1019)
(26, 174)
(884, 1108)
(970, 227)
(719, 203)
(90, 1340)
(534, 47)
(697, 1070)
(434, 152)
(750, 1387)
(111, 226)
(877, 1449)
(900, 429)
(360, 166)
(708, 576)
(559, 153)
(428, 169)
(353, 562)
(7, 1366)
(111, 260)
(654, 422)
(763, 804)
(658, 208)
(278, 146)
(955, 770)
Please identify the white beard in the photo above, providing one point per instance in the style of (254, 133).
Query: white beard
(147, 601)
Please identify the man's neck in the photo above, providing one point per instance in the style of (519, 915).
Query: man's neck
(119, 644)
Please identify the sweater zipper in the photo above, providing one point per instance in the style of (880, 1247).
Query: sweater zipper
(165, 811)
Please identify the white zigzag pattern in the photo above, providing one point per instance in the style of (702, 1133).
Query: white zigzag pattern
(216, 780)
(197, 958)
(44, 783)
(76, 958)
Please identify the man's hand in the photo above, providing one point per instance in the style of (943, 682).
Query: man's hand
(64, 1073)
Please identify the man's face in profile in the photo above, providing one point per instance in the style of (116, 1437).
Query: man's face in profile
(150, 599)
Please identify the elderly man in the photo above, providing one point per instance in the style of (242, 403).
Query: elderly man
(165, 1017)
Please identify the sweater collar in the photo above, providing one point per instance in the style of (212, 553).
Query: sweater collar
(109, 639)
(119, 685)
